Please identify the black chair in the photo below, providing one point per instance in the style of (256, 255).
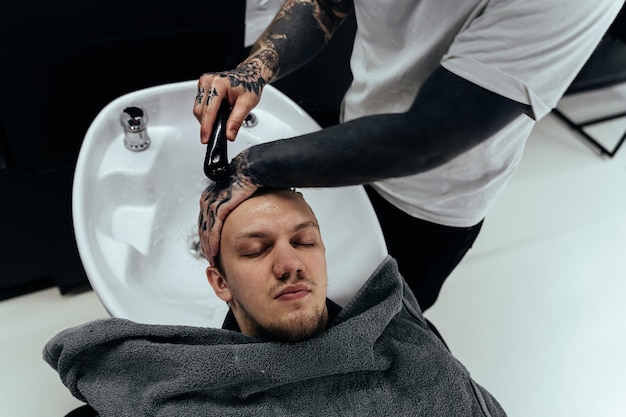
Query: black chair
(605, 68)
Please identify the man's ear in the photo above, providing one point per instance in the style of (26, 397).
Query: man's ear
(219, 284)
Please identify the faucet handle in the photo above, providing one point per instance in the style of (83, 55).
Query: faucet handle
(134, 119)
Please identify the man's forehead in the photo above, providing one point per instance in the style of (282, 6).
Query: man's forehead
(263, 214)
(266, 230)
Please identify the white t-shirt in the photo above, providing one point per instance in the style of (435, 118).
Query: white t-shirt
(525, 50)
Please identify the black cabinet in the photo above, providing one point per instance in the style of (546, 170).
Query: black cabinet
(62, 62)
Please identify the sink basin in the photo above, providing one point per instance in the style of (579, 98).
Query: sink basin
(135, 213)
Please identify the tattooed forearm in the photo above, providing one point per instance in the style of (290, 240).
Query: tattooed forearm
(328, 15)
(300, 29)
(269, 58)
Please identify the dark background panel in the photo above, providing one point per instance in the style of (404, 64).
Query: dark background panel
(61, 64)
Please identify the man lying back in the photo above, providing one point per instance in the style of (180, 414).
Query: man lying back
(285, 349)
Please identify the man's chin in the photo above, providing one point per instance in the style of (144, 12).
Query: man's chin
(297, 327)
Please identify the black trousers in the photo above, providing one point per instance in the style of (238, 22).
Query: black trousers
(426, 252)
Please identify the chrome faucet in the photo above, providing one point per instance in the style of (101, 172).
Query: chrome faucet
(134, 119)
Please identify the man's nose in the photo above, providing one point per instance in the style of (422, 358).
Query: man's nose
(287, 261)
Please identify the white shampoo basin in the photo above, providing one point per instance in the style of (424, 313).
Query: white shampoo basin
(135, 213)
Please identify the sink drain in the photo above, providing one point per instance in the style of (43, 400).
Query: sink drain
(250, 120)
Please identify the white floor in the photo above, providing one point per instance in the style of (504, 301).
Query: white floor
(536, 311)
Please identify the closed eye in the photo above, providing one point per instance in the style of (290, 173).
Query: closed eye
(255, 254)
(305, 244)
(253, 251)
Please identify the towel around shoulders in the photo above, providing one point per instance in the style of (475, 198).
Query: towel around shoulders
(377, 358)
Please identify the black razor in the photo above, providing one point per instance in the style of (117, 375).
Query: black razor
(216, 158)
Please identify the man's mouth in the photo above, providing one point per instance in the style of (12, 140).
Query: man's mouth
(293, 292)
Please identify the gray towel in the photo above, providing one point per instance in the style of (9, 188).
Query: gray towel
(378, 358)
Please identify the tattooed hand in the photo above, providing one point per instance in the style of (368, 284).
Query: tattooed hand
(219, 199)
(241, 87)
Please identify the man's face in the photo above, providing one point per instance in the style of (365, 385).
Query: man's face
(274, 264)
